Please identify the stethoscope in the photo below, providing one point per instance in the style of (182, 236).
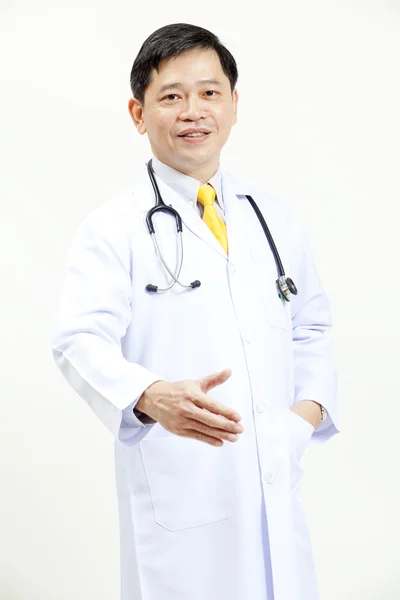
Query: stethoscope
(284, 284)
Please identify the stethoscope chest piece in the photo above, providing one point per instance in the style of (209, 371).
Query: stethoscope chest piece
(286, 286)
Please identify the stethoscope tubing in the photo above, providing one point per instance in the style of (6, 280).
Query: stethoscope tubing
(278, 262)
(284, 284)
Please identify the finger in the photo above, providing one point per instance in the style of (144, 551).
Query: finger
(202, 437)
(211, 420)
(220, 434)
(210, 381)
(203, 401)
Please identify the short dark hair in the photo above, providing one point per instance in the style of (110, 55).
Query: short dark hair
(170, 41)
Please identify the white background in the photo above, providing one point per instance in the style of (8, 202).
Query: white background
(319, 127)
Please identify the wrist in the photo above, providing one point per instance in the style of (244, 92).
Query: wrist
(144, 403)
(309, 410)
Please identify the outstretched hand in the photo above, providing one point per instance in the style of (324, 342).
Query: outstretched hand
(185, 409)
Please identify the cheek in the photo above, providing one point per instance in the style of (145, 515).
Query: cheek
(160, 124)
(224, 119)
(164, 123)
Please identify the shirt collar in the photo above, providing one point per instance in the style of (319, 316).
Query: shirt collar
(187, 187)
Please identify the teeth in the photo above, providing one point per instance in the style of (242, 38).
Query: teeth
(198, 134)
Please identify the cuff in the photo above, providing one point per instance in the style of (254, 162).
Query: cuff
(330, 426)
(134, 424)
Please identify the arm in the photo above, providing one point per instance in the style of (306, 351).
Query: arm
(95, 314)
(308, 410)
(315, 379)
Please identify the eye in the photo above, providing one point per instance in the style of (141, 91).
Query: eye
(170, 97)
(210, 93)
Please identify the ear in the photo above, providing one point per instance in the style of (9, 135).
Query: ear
(136, 111)
(235, 100)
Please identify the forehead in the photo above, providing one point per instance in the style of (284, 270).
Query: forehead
(190, 66)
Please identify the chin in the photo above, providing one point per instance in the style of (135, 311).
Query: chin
(202, 155)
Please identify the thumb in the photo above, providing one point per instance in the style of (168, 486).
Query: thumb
(210, 381)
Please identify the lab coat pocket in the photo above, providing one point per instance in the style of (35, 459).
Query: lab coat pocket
(300, 432)
(190, 483)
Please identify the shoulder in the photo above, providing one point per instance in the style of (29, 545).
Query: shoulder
(267, 202)
(113, 215)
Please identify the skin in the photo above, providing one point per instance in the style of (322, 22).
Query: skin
(189, 104)
(192, 91)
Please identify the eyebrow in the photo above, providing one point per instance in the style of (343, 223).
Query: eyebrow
(169, 86)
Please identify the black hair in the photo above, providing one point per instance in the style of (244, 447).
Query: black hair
(171, 41)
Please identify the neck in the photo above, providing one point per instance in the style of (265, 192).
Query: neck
(201, 173)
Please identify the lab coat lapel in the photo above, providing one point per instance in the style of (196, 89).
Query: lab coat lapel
(233, 207)
(234, 215)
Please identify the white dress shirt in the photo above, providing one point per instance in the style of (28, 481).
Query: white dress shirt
(187, 187)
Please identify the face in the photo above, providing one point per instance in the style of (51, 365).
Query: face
(188, 112)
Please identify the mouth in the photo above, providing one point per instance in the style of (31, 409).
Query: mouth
(194, 137)
(194, 134)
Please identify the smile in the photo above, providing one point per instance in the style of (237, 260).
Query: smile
(194, 138)
(197, 134)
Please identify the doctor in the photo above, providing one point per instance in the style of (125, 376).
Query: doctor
(213, 393)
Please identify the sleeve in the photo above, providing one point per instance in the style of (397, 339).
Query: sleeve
(130, 414)
(314, 371)
(94, 316)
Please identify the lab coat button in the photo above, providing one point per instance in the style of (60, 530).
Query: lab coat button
(269, 477)
(260, 407)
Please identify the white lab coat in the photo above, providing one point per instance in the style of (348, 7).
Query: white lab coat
(199, 522)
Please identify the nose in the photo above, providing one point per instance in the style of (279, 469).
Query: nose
(191, 110)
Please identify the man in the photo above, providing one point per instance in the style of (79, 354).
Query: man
(212, 391)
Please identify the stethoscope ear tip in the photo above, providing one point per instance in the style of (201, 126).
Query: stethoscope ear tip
(151, 288)
(195, 284)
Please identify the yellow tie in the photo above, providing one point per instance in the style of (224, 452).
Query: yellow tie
(206, 197)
